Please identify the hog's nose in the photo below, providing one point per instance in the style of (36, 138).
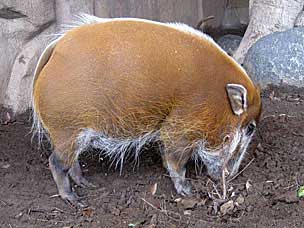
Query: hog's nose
(217, 174)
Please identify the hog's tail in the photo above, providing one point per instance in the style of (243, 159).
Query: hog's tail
(37, 128)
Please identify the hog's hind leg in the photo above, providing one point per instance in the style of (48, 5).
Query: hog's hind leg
(76, 175)
(60, 171)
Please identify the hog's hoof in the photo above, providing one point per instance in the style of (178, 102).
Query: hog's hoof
(184, 188)
(73, 200)
(76, 175)
(82, 182)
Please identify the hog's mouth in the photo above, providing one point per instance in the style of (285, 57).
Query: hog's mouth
(226, 159)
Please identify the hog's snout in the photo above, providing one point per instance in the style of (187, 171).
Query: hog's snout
(216, 170)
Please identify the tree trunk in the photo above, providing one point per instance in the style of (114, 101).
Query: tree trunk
(268, 16)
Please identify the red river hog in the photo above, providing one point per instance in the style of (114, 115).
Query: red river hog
(115, 85)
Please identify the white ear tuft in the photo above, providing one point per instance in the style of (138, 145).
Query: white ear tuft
(238, 98)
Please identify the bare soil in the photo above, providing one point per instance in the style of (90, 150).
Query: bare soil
(263, 195)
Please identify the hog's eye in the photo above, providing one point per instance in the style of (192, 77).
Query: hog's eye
(250, 128)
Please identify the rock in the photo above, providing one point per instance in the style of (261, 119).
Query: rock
(189, 203)
(249, 208)
(229, 43)
(300, 20)
(240, 200)
(23, 28)
(187, 212)
(18, 94)
(227, 207)
(277, 58)
(115, 211)
(6, 166)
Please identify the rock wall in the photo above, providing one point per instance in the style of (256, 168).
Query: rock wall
(24, 26)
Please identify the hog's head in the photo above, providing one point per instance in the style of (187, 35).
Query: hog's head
(245, 109)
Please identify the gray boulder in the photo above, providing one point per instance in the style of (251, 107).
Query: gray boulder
(277, 58)
(229, 43)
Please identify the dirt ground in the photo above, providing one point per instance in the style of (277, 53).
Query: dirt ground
(263, 195)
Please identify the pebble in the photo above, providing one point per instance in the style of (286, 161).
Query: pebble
(227, 207)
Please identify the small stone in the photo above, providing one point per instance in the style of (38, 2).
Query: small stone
(6, 166)
(189, 203)
(240, 200)
(153, 189)
(249, 208)
(177, 200)
(241, 187)
(260, 147)
(248, 186)
(115, 211)
(187, 212)
(227, 207)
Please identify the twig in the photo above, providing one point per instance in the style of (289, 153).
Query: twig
(37, 210)
(55, 209)
(3, 202)
(217, 192)
(54, 196)
(298, 134)
(203, 21)
(224, 184)
(235, 176)
(150, 204)
(50, 220)
(290, 186)
(162, 210)
(279, 115)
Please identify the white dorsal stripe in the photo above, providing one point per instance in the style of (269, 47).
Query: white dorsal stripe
(85, 19)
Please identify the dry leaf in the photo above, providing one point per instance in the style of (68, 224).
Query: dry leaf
(248, 185)
(189, 203)
(153, 189)
(88, 212)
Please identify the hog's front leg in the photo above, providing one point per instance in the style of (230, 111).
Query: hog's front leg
(175, 159)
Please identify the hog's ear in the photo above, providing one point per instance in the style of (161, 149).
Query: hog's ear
(238, 98)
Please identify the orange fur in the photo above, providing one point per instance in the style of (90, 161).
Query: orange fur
(126, 78)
